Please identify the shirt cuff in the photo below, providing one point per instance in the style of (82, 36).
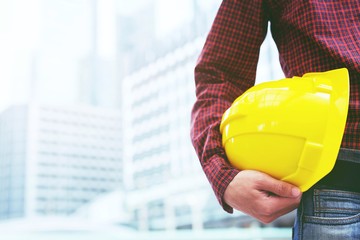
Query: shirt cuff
(220, 174)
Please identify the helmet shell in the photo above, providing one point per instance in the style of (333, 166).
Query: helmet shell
(291, 128)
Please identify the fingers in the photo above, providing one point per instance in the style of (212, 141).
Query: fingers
(249, 192)
(278, 187)
(275, 207)
(283, 199)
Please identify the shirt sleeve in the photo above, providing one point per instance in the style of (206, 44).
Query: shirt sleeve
(225, 68)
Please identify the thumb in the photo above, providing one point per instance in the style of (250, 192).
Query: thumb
(281, 188)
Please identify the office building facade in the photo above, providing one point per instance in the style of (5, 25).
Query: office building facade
(56, 159)
(166, 187)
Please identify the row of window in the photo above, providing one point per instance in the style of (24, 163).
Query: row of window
(144, 136)
(82, 135)
(147, 77)
(79, 114)
(84, 124)
(155, 113)
(80, 156)
(138, 156)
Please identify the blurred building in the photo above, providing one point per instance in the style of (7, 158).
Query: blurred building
(13, 155)
(55, 159)
(135, 167)
(166, 188)
(98, 82)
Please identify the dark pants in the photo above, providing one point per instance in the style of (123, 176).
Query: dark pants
(331, 208)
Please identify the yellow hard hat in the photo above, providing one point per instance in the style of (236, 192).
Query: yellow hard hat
(290, 129)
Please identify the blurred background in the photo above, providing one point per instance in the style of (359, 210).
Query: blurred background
(95, 101)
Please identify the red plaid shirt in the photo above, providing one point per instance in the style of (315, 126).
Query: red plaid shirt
(311, 36)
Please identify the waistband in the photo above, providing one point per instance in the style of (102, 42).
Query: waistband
(345, 174)
(349, 155)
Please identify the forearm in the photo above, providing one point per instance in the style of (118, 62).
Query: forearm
(206, 138)
(225, 69)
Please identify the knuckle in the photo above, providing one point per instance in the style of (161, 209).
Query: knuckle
(260, 180)
(267, 211)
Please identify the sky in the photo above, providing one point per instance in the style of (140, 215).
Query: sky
(171, 14)
(22, 42)
(57, 40)
(18, 34)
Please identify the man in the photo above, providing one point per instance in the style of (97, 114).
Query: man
(311, 36)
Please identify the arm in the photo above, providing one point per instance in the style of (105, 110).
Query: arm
(225, 69)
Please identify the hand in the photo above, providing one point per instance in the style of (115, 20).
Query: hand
(261, 196)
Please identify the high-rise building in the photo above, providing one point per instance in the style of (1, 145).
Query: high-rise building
(135, 36)
(98, 84)
(166, 188)
(13, 149)
(55, 159)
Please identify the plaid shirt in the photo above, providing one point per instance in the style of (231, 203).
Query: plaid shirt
(311, 36)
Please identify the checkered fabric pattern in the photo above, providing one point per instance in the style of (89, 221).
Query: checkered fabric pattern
(311, 36)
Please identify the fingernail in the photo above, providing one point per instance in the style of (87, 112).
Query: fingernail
(295, 192)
